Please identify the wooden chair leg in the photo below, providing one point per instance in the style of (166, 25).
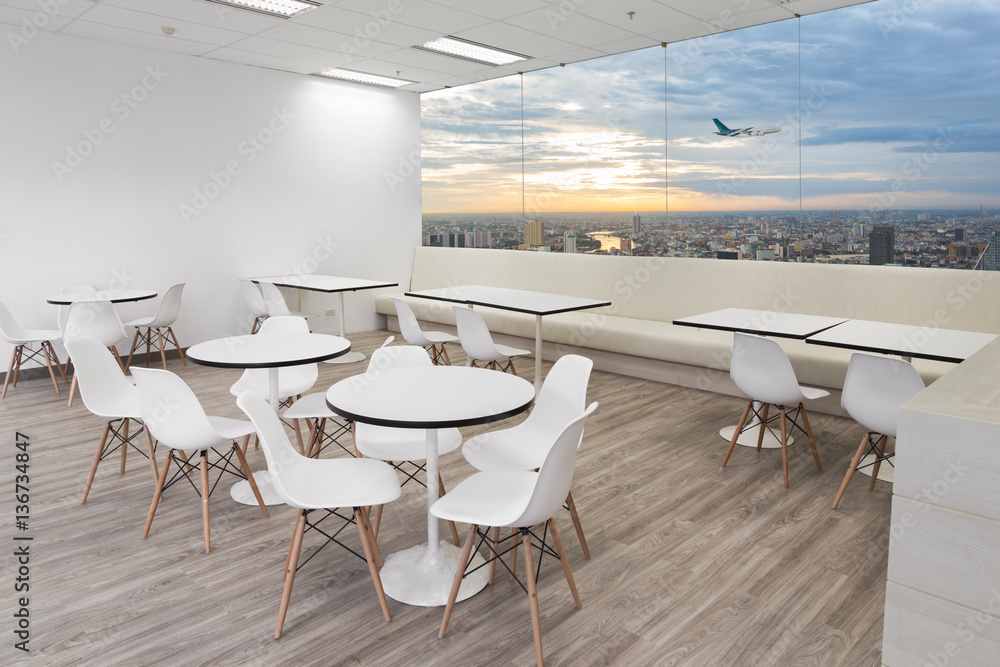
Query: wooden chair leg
(204, 502)
(180, 352)
(378, 520)
(529, 569)
(124, 445)
(290, 567)
(149, 341)
(10, 372)
(365, 536)
(763, 426)
(163, 352)
(249, 474)
(151, 450)
(72, 389)
(495, 539)
(513, 556)
(577, 525)
(565, 563)
(451, 524)
(374, 541)
(736, 435)
(291, 543)
(456, 583)
(48, 364)
(444, 353)
(784, 447)
(20, 360)
(809, 432)
(880, 446)
(97, 460)
(850, 470)
(158, 493)
(510, 365)
(131, 351)
(55, 357)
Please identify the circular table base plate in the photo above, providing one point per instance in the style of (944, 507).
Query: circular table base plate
(749, 438)
(886, 473)
(412, 577)
(243, 494)
(349, 358)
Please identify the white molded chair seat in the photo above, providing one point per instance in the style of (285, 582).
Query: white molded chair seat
(475, 338)
(523, 447)
(874, 390)
(255, 302)
(63, 311)
(108, 394)
(97, 319)
(166, 315)
(516, 499)
(186, 428)
(402, 445)
(762, 371)
(22, 339)
(321, 484)
(432, 341)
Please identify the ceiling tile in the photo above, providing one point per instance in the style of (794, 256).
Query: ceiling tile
(570, 26)
(649, 15)
(205, 13)
(153, 24)
(518, 40)
(492, 9)
(260, 60)
(147, 40)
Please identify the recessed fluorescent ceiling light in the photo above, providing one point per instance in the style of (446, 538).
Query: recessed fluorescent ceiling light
(283, 8)
(460, 48)
(362, 77)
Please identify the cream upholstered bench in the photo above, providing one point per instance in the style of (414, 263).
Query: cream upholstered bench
(635, 336)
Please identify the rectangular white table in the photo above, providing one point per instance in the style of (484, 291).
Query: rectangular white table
(905, 340)
(538, 304)
(329, 284)
(761, 323)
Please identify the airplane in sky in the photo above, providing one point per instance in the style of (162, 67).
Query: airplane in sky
(746, 131)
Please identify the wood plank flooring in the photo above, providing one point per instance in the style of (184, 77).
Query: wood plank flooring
(692, 564)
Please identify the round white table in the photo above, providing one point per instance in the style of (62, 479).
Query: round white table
(430, 398)
(270, 351)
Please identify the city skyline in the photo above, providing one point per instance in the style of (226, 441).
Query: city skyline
(899, 112)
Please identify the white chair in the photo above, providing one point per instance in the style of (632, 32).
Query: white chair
(401, 446)
(321, 484)
(326, 427)
(874, 391)
(762, 371)
(475, 339)
(292, 380)
(274, 302)
(174, 416)
(562, 397)
(22, 339)
(110, 395)
(170, 308)
(432, 341)
(516, 499)
(63, 311)
(97, 319)
(255, 302)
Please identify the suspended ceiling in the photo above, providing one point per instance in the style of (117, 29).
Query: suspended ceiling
(377, 36)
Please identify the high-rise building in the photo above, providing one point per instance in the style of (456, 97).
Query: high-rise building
(636, 223)
(836, 217)
(959, 234)
(990, 259)
(533, 232)
(569, 242)
(482, 238)
(625, 245)
(882, 245)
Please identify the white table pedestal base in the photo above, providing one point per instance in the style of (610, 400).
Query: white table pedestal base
(243, 494)
(412, 577)
(349, 358)
(749, 437)
(886, 473)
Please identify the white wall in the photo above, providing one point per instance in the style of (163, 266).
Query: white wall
(115, 216)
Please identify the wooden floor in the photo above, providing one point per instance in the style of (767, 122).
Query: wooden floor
(692, 564)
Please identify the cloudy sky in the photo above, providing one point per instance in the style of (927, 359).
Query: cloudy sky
(900, 110)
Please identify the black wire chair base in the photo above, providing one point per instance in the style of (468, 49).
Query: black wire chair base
(314, 525)
(539, 543)
(326, 437)
(873, 451)
(185, 469)
(438, 356)
(503, 367)
(756, 420)
(116, 441)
